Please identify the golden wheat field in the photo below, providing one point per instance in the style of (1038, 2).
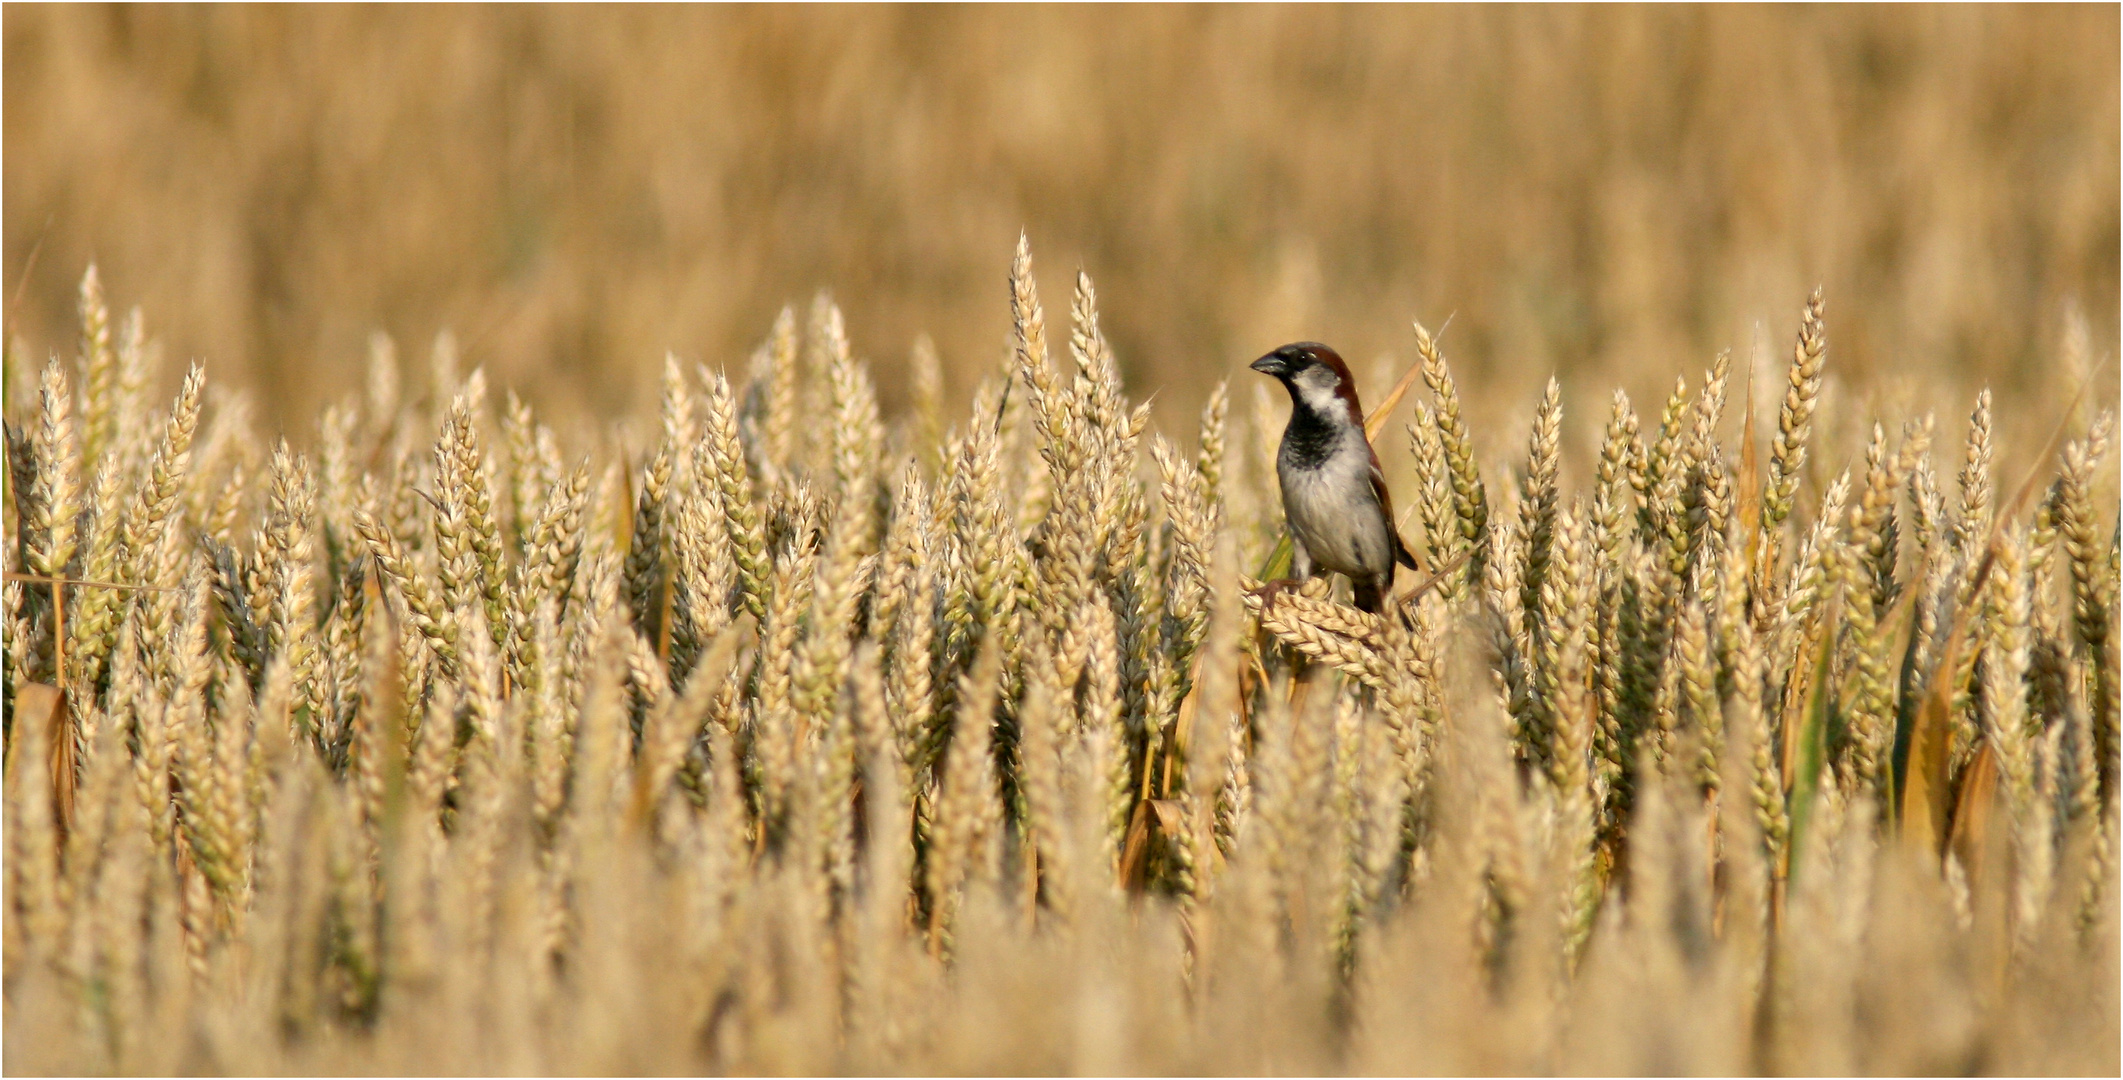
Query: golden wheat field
(462, 617)
(799, 741)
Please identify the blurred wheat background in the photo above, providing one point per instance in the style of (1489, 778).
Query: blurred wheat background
(1612, 194)
(471, 610)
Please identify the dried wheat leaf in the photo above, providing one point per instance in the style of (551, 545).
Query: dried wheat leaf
(1135, 850)
(1969, 834)
(1811, 746)
(1377, 417)
(45, 706)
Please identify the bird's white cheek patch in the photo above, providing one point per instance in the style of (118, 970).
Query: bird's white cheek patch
(1320, 393)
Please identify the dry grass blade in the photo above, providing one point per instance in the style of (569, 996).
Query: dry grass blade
(42, 579)
(44, 707)
(1809, 750)
(1750, 485)
(1437, 576)
(1969, 838)
(1924, 809)
(1375, 420)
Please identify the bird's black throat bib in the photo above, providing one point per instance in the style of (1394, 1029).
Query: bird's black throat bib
(1310, 439)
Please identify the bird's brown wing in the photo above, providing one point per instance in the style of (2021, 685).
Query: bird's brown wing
(1401, 554)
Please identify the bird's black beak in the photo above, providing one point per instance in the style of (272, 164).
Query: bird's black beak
(1271, 364)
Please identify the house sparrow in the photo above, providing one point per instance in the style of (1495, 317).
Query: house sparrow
(1334, 495)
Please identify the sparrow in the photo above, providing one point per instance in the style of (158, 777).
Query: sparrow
(1334, 495)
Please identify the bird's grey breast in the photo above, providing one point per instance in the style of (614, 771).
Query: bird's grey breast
(1330, 504)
